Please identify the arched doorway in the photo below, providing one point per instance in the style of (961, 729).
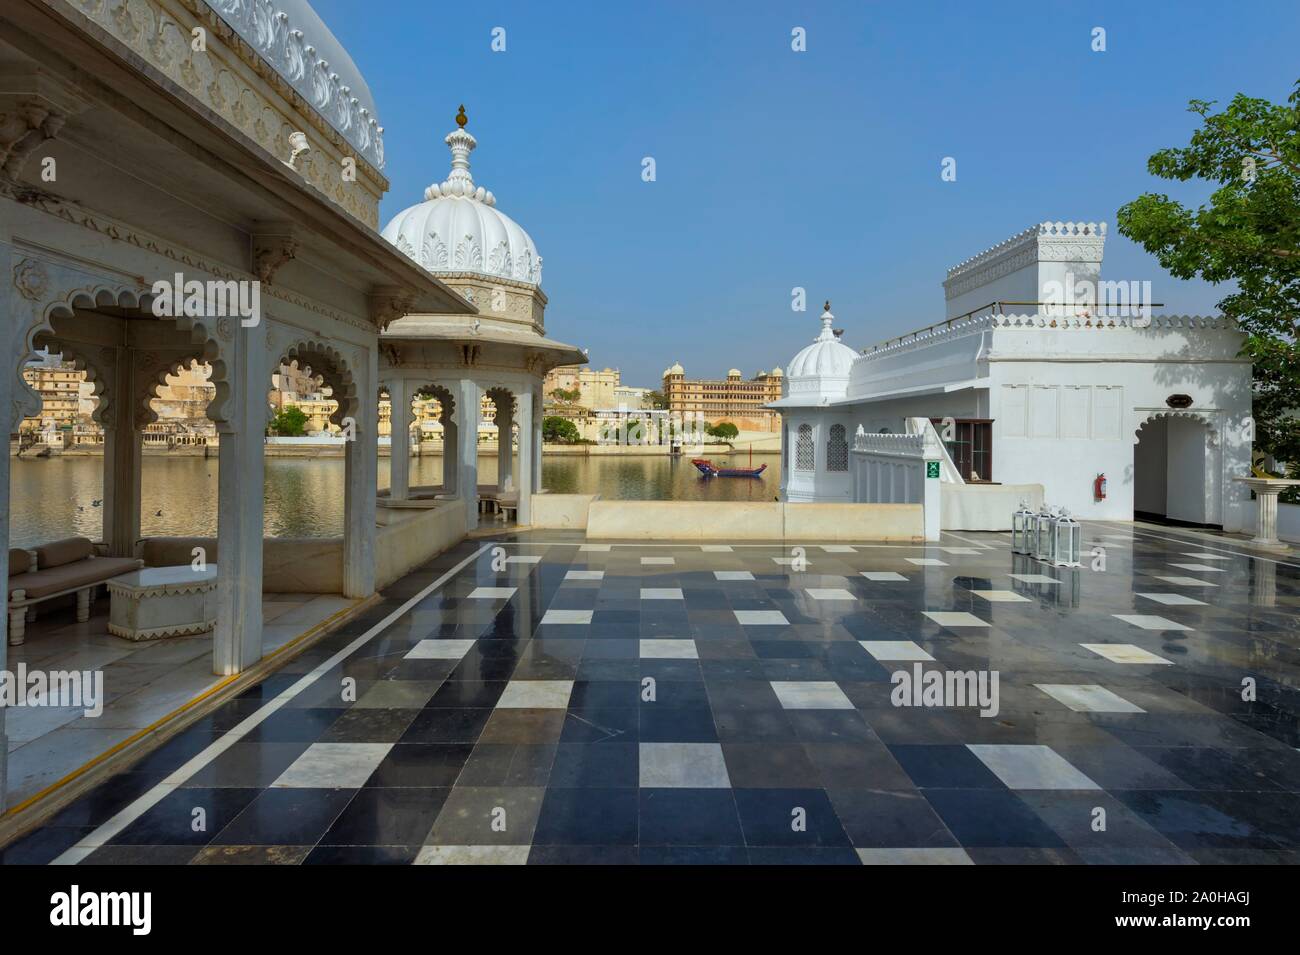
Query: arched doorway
(1176, 471)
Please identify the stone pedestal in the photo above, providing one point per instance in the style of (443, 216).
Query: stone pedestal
(1266, 493)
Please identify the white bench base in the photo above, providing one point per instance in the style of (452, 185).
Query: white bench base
(161, 602)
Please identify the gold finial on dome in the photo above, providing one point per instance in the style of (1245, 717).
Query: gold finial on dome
(827, 306)
(461, 118)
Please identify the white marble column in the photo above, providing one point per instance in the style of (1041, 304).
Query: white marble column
(237, 642)
(467, 413)
(123, 443)
(12, 349)
(505, 447)
(361, 481)
(399, 437)
(1266, 527)
(450, 449)
(524, 409)
(538, 415)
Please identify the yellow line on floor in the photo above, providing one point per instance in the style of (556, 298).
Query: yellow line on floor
(140, 734)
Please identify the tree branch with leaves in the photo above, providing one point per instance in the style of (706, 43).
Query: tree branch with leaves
(1248, 234)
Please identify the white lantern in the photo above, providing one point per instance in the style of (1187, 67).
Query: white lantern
(1022, 529)
(1044, 539)
(1066, 540)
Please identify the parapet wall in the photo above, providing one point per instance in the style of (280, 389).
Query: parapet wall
(757, 521)
(315, 565)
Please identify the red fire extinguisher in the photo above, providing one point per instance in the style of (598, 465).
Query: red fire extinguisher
(1099, 488)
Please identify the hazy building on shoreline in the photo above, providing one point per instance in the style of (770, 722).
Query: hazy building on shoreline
(734, 399)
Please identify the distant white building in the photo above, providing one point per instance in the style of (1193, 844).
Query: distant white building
(1116, 413)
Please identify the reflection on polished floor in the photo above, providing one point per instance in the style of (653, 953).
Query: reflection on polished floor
(735, 703)
(144, 682)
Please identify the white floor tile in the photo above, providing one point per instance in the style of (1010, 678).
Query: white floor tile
(789, 561)
(439, 650)
(882, 575)
(594, 548)
(585, 575)
(1030, 766)
(1173, 600)
(955, 618)
(828, 593)
(567, 616)
(914, 857)
(960, 550)
(1001, 596)
(492, 593)
(1125, 653)
(894, 650)
(1207, 556)
(683, 766)
(1088, 698)
(661, 593)
(1149, 621)
(536, 695)
(716, 548)
(333, 766)
(1034, 578)
(1202, 568)
(760, 618)
(811, 695)
(838, 549)
(926, 561)
(524, 559)
(657, 561)
(732, 575)
(1184, 581)
(473, 855)
(669, 650)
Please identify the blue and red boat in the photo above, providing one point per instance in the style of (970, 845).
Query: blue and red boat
(709, 469)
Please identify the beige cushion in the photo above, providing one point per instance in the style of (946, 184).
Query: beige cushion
(58, 553)
(19, 561)
(52, 580)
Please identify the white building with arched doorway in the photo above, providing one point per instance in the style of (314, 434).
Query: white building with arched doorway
(1116, 413)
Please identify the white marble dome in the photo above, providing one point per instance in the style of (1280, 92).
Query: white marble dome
(458, 228)
(825, 365)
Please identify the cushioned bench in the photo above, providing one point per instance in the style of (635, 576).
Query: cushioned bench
(54, 570)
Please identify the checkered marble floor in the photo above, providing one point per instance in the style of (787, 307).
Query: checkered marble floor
(705, 703)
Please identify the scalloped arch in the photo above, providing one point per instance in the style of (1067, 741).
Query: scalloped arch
(82, 361)
(124, 297)
(333, 368)
(1209, 419)
(144, 407)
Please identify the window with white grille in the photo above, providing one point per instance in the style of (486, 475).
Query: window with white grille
(803, 449)
(837, 449)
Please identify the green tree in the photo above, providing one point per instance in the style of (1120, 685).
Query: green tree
(656, 400)
(567, 395)
(290, 422)
(559, 430)
(1249, 233)
(723, 430)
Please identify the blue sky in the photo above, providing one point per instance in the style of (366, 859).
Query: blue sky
(778, 169)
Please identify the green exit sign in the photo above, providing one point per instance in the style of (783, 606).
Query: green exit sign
(932, 469)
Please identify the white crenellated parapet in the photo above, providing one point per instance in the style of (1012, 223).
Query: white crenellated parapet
(1026, 267)
(962, 327)
(892, 468)
(1050, 230)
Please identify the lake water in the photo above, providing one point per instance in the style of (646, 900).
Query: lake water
(53, 497)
